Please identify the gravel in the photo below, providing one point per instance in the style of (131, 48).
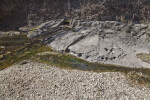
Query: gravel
(36, 81)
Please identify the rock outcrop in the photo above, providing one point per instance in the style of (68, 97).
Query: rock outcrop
(45, 28)
(107, 42)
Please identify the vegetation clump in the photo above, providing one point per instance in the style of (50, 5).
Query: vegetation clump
(138, 75)
(144, 57)
(19, 47)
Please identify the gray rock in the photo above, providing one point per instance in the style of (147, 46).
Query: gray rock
(45, 28)
(24, 29)
(9, 33)
(106, 42)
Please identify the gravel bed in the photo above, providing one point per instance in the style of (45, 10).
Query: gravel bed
(36, 81)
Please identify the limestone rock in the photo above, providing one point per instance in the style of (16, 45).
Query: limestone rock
(108, 42)
(45, 28)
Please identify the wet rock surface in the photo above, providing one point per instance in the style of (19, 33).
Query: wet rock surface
(9, 33)
(108, 42)
(30, 80)
(45, 28)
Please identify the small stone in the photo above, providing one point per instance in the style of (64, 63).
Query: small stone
(1, 56)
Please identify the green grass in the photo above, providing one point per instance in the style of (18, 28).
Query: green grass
(139, 75)
(18, 48)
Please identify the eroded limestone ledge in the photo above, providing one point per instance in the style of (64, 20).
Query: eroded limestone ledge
(107, 42)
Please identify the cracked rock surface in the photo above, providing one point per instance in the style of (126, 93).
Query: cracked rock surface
(107, 42)
(36, 81)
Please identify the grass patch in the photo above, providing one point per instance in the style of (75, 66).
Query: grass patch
(18, 48)
(139, 75)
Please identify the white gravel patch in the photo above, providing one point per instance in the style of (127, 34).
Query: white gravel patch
(35, 81)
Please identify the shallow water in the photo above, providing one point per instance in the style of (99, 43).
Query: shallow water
(15, 48)
(19, 47)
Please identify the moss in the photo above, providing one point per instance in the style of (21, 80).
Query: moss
(67, 22)
(34, 28)
(144, 57)
(140, 75)
(17, 49)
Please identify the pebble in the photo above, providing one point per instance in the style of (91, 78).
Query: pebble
(36, 82)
